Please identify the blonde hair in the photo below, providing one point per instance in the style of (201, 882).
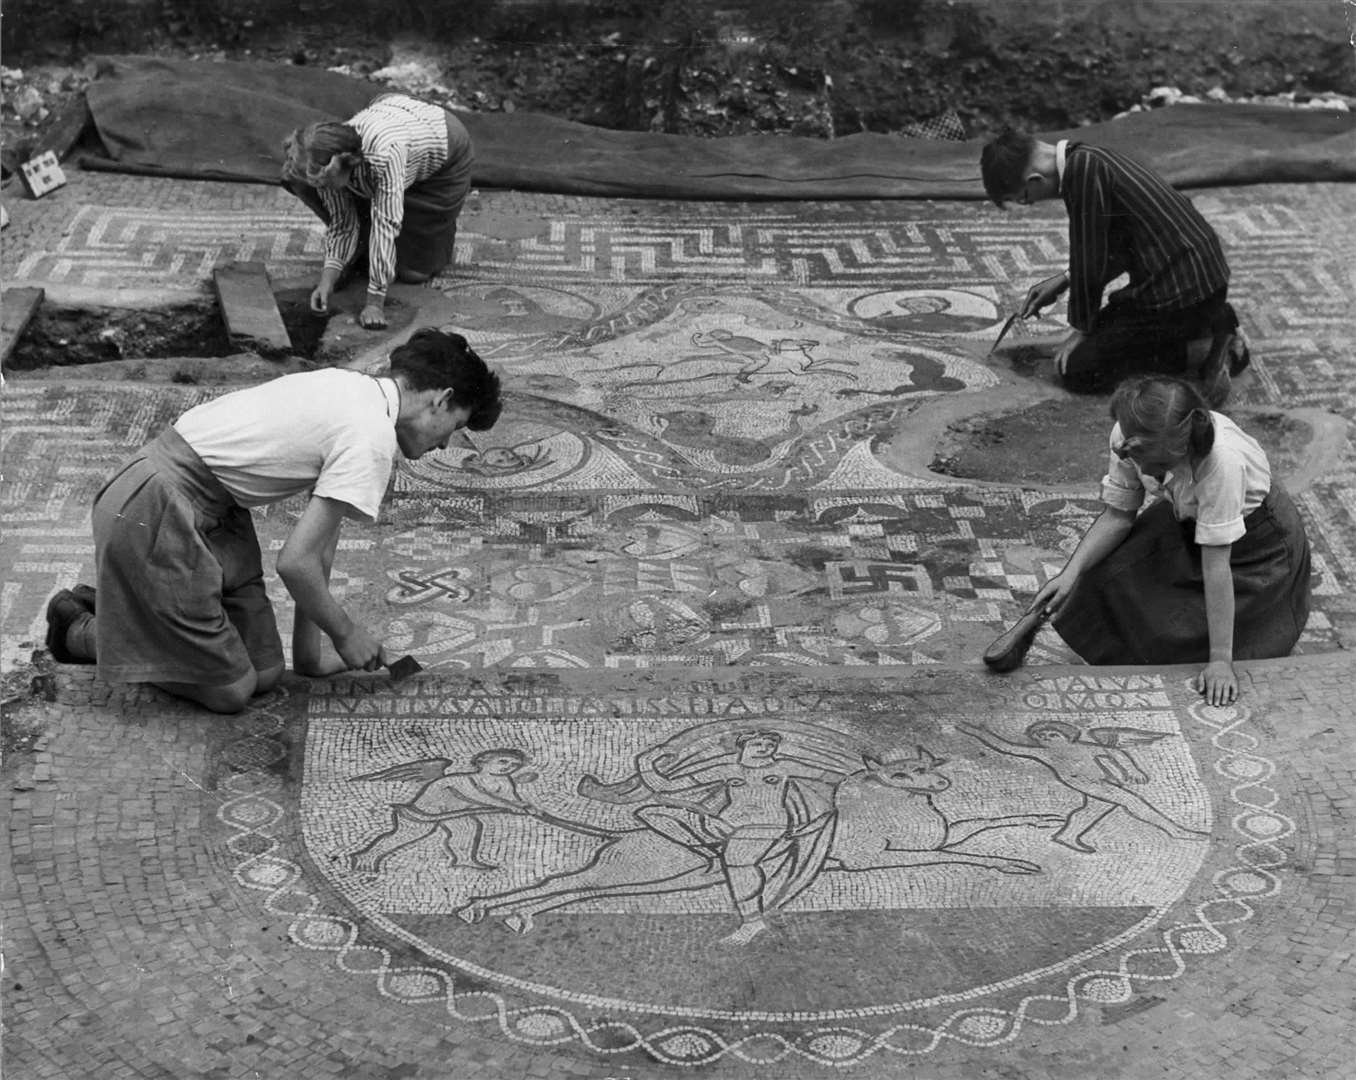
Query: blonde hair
(319, 151)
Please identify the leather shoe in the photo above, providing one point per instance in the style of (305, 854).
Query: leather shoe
(84, 595)
(62, 610)
(1213, 375)
(1007, 651)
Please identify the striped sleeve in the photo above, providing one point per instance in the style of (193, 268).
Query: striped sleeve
(1126, 219)
(341, 235)
(387, 177)
(1088, 198)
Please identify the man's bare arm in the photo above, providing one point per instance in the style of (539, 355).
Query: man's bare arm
(304, 566)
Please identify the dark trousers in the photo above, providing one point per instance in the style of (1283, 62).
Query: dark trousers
(1130, 341)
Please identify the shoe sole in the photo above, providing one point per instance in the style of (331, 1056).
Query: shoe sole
(56, 628)
(84, 596)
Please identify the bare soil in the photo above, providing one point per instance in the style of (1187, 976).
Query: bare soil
(58, 337)
(1064, 441)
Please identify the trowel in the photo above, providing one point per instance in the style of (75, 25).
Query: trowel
(402, 669)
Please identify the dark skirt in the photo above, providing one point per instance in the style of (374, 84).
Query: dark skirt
(429, 231)
(1145, 602)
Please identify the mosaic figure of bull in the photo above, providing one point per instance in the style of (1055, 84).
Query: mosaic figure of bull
(765, 832)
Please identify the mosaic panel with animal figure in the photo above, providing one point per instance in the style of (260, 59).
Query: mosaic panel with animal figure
(696, 868)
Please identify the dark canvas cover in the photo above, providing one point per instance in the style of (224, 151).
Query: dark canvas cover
(226, 121)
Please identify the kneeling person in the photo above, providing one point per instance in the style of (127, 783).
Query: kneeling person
(1215, 569)
(1173, 317)
(389, 183)
(181, 600)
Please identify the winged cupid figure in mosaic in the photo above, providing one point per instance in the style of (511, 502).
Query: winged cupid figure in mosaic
(1094, 764)
(453, 803)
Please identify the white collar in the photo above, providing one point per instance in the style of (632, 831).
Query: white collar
(391, 392)
(1061, 152)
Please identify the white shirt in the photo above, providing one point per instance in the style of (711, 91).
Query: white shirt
(1218, 493)
(332, 431)
(1061, 152)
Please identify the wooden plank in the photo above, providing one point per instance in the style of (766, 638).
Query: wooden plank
(17, 306)
(247, 303)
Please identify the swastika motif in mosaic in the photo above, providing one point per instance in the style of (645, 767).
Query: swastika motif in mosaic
(570, 540)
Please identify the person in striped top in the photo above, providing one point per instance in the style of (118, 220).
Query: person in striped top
(390, 180)
(1173, 317)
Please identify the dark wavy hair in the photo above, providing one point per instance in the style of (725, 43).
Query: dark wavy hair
(1163, 417)
(1003, 164)
(433, 359)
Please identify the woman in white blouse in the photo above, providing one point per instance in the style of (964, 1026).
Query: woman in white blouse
(1215, 569)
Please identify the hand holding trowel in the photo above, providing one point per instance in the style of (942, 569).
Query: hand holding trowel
(401, 669)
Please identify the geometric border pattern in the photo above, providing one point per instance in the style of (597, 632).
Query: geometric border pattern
(257, 821)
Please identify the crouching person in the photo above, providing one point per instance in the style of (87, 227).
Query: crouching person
(180, 601)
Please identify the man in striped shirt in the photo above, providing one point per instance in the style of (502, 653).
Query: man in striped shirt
(392, 179)
(1173, 317)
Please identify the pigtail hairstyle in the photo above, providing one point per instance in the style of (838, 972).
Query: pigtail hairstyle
(1164, 417)
(1201, 438)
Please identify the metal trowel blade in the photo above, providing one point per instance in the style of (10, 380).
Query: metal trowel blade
(403, 668)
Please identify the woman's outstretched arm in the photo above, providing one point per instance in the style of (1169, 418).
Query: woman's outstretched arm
(1103, 537)
(1217, 680)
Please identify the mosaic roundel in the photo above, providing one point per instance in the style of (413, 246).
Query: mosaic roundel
(509, 317)
(551, 444)
(730, 383)
(701, 873)
(944, 312)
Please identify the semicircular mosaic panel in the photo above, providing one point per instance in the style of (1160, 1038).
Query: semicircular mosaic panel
(699, 873)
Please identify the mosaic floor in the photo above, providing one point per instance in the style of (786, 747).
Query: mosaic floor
(698, 465)
(702, 727)
(772, 875)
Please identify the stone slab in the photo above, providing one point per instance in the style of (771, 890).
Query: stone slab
(17, 307)
(248, 305)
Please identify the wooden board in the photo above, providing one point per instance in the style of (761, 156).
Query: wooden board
(248, 305)
(17, 306)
